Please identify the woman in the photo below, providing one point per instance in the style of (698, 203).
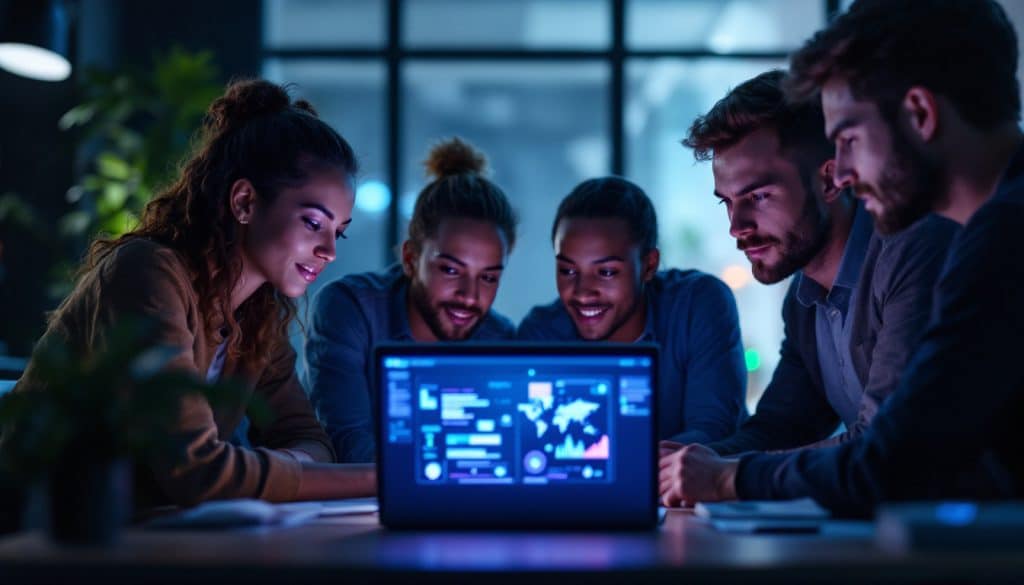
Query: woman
(214, 262)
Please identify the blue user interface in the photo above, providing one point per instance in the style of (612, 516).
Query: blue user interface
(494, 422)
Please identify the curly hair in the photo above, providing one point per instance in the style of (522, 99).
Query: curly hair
(256, 132)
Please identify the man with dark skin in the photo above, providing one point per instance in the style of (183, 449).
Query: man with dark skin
(605, 236)
(461, 233)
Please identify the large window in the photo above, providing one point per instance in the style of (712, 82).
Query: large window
(553, 91)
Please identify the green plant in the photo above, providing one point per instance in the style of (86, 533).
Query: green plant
(135, 126)
(105, 405)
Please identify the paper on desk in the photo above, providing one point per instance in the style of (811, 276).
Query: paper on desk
(802, 509)
(326, 508)
(237, 513)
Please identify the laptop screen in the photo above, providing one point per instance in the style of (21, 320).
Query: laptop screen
(517, 435)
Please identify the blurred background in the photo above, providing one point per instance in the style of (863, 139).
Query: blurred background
(553, 91)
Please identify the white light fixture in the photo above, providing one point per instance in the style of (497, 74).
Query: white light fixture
(34, 62)
(34, 39)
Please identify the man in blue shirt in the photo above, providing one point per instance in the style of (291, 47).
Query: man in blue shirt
(605, 237)
(922, 102)
(858, 302)
(460, 235)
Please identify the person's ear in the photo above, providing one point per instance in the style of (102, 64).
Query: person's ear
(410, 255)
(650, 263)
(242, 199)
(921, 110)
(826, 180)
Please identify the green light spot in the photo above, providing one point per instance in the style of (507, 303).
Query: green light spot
(753, 360)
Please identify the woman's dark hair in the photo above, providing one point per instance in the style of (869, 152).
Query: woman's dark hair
(459, 190)
(612, 197)
(256, 132)
(965, 50)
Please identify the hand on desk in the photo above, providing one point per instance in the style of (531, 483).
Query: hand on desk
(693, 473)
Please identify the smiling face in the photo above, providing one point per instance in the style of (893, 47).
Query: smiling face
(288, 241)
(600, 273)
(897, 182)
(777, 219)
(454, 278)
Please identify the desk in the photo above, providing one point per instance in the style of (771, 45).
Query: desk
(356, 549)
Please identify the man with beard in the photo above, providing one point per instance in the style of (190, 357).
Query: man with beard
(460, 235)
(922, 102)
(605, 236)
(858, 302)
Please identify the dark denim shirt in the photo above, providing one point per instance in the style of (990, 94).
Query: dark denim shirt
(349, 317)
(952, 427)
(692, 317)
(833, 328)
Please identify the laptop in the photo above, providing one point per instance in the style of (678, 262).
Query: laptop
(517, 435)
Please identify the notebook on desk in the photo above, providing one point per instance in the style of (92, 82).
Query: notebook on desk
(517, 435)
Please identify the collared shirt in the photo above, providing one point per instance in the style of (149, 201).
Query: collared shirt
(834, 324)
(349, 317)
(951, 430)
(702, 380)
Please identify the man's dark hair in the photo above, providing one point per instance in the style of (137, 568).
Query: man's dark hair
(460, 190)
(612, 197)
(964, 50)
(761, 103)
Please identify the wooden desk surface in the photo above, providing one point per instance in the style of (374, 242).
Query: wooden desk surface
(356, 549)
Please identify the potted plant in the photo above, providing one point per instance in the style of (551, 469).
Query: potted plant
(93, 414)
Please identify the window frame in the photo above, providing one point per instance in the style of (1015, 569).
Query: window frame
(395, 55)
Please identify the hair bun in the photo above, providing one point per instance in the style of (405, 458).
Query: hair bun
(245, 100)
(454, 157)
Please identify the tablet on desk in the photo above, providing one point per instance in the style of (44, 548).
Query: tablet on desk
(517, 435)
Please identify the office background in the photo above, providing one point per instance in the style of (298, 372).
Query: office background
(553, 91)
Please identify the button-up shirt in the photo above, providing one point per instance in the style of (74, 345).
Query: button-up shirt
(833, 329)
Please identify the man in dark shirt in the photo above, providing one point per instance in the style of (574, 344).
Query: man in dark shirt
(605, 236)
(460, 235)
(858, 302)
(922, 102)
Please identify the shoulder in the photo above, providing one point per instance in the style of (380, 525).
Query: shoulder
(495, 326)
(991, 232)
(913, 258)
(674, 287)
(143, 256)
(548, 321)
(1000, 218)
(366, 289)
(145, 268)
(930, 232)
(372, 283)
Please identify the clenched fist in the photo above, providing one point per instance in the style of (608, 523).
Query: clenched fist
(694, 473)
